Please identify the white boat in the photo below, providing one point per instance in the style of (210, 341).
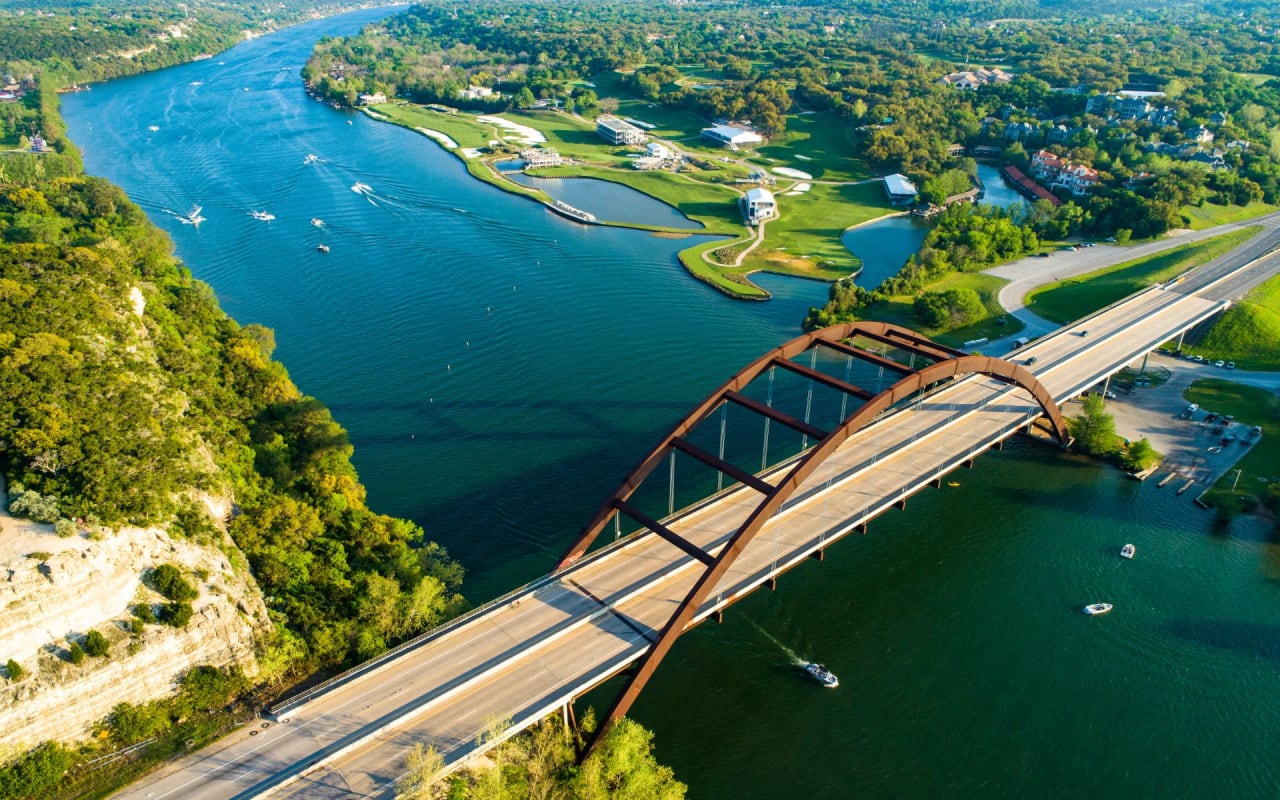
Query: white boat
(361, 188)
(192, 217)
(1094, 609)
(265, 216)
(1128, 551)
(319, 223)
(153, 128)
(822, 675)
(324, 248)
(311, 158)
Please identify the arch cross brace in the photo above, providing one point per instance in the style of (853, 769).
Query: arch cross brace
(947, 365)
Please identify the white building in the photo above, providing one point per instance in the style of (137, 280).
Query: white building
(374, 99)
(760, 206)
(658, 151)
(731, 137)
(616, 131)
(475, 93)
(538, 157)
(900, 190)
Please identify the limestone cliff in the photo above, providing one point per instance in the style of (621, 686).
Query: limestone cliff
(55, 590)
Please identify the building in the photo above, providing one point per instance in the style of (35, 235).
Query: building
(658, 151)
(760, 206)
(538, 157)
(972, 79)
(372, 99)
(616, 131)
(1059, 173)
(1199, 134)
(899, 189)
(476, 93)
(731, 137)
(955, 150)
(1021, 131)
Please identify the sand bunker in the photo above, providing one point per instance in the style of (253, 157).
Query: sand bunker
(444, 139)
(523, 133)
(792, 173)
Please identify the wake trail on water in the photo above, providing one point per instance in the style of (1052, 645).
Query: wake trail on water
(791, 655)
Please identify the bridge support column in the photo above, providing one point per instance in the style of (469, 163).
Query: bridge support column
(862, 529)
(936, 482)
(900, 504)
(570, 719)
(718, 615)
(1143, 371)
(1181, 336)
(818, 555)
(968, 462)
(773, 584)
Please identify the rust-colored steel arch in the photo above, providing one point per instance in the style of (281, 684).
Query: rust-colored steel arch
(952, 364)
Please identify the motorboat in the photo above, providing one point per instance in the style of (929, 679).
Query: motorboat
(311, 158)
(265, 216)
(317, 222)
(822, 675)
(324, 248)
(192, 217)
(361, 188)
(1128, 551)
(1094, 609)
(153, 128)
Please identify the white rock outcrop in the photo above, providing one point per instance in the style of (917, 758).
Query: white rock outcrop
(55, 590)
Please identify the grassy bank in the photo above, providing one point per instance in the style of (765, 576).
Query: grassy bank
(1071, 299)
(806, 239)
(899, 310)
(1249, 332)
(1210, 215)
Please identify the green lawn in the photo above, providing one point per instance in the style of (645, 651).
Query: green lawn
(1252, 406)
(899, 310)
(825, 139)
(462, 128)
(806, 239)
(1209, 215)
(1249, 333)
(1071, 299)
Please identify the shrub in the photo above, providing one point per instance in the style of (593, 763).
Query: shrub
(64, 528)
(75, 653)
(96, 645)
(14, 670)
(176, 614)
(168, 581)
(136, 625)
(207, 688)
(143, 613)
(34, 506)
(130, 724)
(36, 773)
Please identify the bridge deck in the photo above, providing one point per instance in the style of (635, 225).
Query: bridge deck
(521, 660)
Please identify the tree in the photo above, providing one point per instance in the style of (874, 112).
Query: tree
(176, 614)
(623, 766)
(1094, 429)
(525, 98)
(36, 773)
(609, 105)
(14, 670)
(1139, 455)
(96, 645)
(75, 653)
(168, 581)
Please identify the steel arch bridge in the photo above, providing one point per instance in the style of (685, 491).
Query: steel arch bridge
(943, 365)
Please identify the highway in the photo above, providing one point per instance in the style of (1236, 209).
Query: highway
(523, 658)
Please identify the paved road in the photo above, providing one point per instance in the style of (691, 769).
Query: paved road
(524, 658)
(1028, 274)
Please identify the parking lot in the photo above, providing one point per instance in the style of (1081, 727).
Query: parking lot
(1194, 445)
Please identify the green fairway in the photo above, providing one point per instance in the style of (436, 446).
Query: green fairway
(806, 239)
(1248, 333)
(1210, 215)
(462, 128)
(1071, 299)
(1252, 406)
(819, 144)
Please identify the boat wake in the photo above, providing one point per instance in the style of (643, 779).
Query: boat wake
(192, 217)
(791, 655)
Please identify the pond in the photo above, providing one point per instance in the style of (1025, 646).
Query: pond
(610, 201)
(885, 245)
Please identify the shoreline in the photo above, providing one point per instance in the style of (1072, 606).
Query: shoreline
(736, 285)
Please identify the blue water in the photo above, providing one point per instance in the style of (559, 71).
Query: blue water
(610, 201)
(501, 368)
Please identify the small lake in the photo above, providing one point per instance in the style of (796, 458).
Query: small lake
(884, 246)
(610, 201)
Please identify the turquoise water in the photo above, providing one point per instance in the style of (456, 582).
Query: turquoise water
(500, 369)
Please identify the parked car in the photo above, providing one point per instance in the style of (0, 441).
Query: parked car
(1231, 365)
(1219, 364)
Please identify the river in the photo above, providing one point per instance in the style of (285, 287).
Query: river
(501, 368)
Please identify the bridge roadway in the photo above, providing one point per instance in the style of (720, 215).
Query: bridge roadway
(549, 642)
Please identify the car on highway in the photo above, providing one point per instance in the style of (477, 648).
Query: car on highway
(1031, 360)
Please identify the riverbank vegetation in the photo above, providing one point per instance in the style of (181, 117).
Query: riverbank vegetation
(1068, 300)
(541, 763)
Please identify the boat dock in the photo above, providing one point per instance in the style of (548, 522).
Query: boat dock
(1166, 479)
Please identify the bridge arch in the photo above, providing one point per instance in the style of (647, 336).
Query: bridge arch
(946, 364)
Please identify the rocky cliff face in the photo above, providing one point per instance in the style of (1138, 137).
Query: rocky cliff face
(54, 590)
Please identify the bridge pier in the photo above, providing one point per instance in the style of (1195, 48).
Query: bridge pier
(818, 555)
(936, 482)
(900, 504)
(999, 445)
(773, 584)
(862, 529)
